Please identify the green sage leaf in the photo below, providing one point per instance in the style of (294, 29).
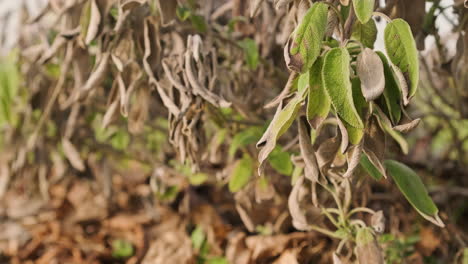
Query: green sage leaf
(241, 173)
(335, 77)
(401, 49)
(363, 9)
(365, 33)
(392, 93)
(356, 134)
(309, 34)
(413, 189)
(318, 104)
(370, 168)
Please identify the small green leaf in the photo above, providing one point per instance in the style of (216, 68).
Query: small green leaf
(199, 23)
(318, 104)
(413, 189)
(120, 140)
(251, 52)
(392, 93)
(365, 33)
(240, 176)
(401, 49)
(370, 168)
(198, 238)
(281, 161)
(309, 34)
(183, 13)
(244, 138)
(335, 77)
(363, 9)
(122, 249)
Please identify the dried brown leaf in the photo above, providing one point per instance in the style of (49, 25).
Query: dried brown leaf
(72, 155)
(353, 156)
(307, 151)
(94, 23)
(371, 72)
(374, 144)
(407, 127)
(298, 216)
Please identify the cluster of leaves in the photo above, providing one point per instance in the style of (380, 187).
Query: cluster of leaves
(366, 92)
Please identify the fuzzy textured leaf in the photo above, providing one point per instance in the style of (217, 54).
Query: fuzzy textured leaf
(308, 36)
(335, 77)
(392, 93)
(365, 33)
(363, 9)
(401, 49)
(371, 72)
(318, 104)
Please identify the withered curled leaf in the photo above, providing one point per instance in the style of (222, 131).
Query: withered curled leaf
(72, 155)
(368, 250)
(407, 127)
(307, 151)
(282, 119)
(298, 216)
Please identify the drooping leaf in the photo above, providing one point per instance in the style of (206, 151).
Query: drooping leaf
(92, 20)
(401, 49)
(363, 9)
(335, 77)
(407, 127)
(370, 70)
(326, 153)
(307, 39)
(413, 189)
(281, 122)
(365, 33)
(73, 155)
(392, 93)
(375, 145)
(353, 156)
(318, 104)
(370, 168)
(355, 134)
(240, 176)
(299, 219)
(386, 125)
(307, 152)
